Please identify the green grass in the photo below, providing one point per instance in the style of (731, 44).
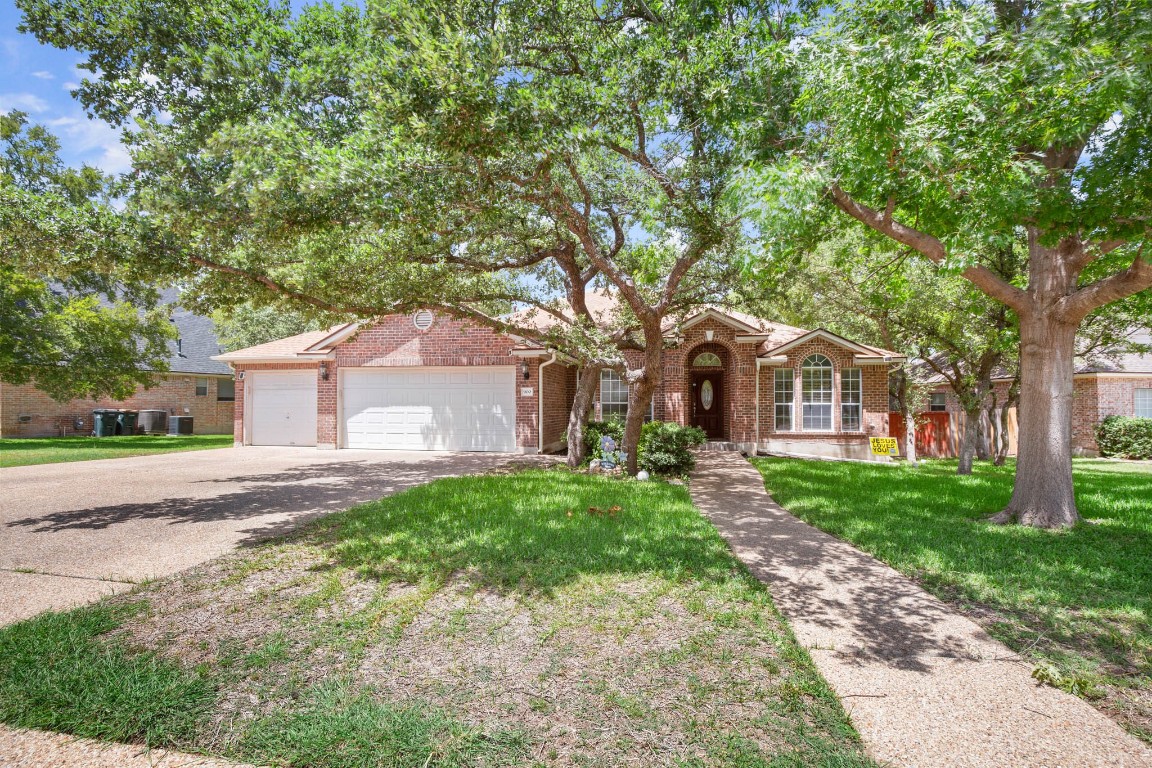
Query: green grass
(56, 673)
(537, 618)
(18, 452)
(1078, 602)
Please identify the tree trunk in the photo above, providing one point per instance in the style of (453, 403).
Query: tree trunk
(642, 387)
(1042, 495)
(991, 421)
(1005, 436)
(909, 416)
(968, 439)
(983, 439)
(578, 416)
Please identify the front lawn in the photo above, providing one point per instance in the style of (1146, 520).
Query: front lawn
(1077, 602)
(17, 452)
(540, 618)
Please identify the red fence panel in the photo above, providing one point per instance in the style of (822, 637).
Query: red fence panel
(932, 433)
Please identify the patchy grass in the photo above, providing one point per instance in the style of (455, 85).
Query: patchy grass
(1077, 602)
(18, 452)
(541, 618)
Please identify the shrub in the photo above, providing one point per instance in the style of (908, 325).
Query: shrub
(665, 447)
(1125, 437)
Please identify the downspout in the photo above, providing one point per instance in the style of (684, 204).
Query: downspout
(756, 437)
(540, 402)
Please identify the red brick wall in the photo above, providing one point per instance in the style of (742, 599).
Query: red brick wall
(874, 386)
(559, 391)
(175, 393)
(1114, 396)
(394, 342)
(673, 401)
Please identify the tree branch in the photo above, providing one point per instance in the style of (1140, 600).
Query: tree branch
(1118, 286)
(980, 276)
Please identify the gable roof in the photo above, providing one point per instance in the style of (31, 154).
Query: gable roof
(861, 350)
(310, 345)
(1126, 362)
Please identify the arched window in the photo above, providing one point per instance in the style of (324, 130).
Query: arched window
(816, 391)
(707, 359)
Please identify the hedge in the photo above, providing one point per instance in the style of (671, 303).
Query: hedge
(1125, 437)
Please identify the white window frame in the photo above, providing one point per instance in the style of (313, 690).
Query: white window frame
(612, 377)
(201, 382)
(1142, 402)
(705, 360)
(784, 399)
(851, 399)
(932, 402)
(816, 413)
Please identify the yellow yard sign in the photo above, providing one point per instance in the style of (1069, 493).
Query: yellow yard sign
(884, 446)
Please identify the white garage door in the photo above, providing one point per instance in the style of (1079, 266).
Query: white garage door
(430, 409)
(283, 408)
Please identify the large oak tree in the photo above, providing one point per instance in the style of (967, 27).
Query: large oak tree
(459, 155)
(954, 128)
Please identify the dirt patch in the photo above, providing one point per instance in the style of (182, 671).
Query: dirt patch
(610, 672)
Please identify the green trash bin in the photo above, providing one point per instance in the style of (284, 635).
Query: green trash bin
(127, 422)
(104, 422)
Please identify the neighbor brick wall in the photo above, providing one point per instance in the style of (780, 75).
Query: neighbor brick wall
(175, 393)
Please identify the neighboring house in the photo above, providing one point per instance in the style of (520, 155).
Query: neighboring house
(431, 382)
(196, 385)
(1116, 385)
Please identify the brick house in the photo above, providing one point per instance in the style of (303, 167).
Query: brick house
(195, 385)
(1114, 385)
(431, 382)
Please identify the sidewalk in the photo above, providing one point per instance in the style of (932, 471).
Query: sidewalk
(38, 749)
(925, 687)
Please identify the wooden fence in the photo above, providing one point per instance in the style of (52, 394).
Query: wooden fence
(938, 433)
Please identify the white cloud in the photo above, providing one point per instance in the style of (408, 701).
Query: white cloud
(25, 102)
(44, 74)
(93, 141)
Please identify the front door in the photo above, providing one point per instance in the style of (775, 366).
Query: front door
(707, 403)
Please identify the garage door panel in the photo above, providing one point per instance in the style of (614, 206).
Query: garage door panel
(430, 409)
(283, 408)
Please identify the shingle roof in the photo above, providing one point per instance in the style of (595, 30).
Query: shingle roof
(292, 346)
(198, 342)
(1128, 362)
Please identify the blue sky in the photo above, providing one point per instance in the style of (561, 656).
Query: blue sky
(36, 79)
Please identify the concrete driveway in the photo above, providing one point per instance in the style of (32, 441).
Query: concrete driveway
(70, 533)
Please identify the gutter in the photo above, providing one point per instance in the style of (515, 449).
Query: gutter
(540, 403)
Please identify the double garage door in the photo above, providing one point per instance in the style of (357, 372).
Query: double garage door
(429, 409)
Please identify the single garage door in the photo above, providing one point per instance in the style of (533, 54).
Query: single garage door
(283, 407)
(430, 409)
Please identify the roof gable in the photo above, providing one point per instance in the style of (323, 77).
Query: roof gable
(862, 350)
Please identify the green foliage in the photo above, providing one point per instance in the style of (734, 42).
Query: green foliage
(665, 447)
(1125, 437)
(63, 672)
(595, 430)
(1079, 600)
(246, 325)
(63, 248)
(71, 345)
(338, 726)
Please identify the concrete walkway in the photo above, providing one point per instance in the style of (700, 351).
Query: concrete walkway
(37, 749)
(925, 687)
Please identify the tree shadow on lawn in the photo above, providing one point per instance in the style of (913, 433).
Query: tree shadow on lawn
(1088, 588)
(530, 532)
